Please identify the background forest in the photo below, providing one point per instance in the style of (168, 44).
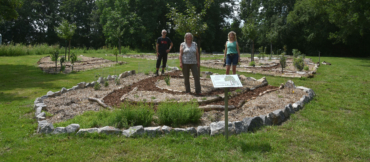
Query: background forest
(335, 27)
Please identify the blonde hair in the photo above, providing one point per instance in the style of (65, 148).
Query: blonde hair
(228, 36)
(190, 35)
(164, 30)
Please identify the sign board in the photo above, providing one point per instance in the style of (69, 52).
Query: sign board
(226, 81)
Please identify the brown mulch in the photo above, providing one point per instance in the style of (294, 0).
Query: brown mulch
(148, 84)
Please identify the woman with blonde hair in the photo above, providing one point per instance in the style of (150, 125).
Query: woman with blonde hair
(189, 60)
(232, 53)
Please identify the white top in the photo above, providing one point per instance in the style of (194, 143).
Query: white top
(189, 55)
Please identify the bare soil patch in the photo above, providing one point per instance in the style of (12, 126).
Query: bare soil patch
(83, 63)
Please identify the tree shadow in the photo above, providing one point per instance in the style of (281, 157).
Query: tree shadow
(254, 147)
(24, 77)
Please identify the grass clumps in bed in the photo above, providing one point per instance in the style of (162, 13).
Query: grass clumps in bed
(175, 114)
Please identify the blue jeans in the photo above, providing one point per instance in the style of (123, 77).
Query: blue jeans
(232, 58)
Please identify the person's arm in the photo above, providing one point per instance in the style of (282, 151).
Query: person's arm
(225, 51)
(170, 48)
(198, 58)
(180, 56)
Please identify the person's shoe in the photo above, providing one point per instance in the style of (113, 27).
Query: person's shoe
(162, 73)
(156, 73)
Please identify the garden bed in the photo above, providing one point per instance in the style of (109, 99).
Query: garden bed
(266, 66)
(83, 63)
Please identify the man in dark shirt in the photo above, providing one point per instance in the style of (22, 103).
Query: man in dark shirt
(162, 50)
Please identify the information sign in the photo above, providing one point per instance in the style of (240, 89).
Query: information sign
(226, 81)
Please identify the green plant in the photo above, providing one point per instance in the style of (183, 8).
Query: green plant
(106, 84)
(97, 86)
(298, 63)
(306, 68)
(62, 68)
(115, 52)
(238, 90)
(117, 81)
(153, 98)
(252, 63)
(282, 62)
(296, 53)
(204, 98)
(175, 114)
(73, 59)
(167, 79)
(55, 58)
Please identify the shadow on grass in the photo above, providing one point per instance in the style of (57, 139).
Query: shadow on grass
(254, 147)
(24, 77)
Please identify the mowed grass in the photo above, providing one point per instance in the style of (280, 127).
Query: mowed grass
(335, 126)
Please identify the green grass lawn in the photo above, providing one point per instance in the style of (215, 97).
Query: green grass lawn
(334, 126)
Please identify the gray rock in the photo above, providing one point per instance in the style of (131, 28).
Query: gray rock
(100, 80)
(301, 72)
(87, 85)
(58, 93)
(289, 84)
(128, 73)
(290, 108)
(72, 128)
(109, 130)
(41, 116)
(240, 127)
(277, 117)
(50, 94)
(219, 128)
(296, 107)
(152, 131)
(114, 77)
(81, 85)
(74, 88)
(45, 127)
(120, 76)
(191, 130)
(40, 105)
(134, 131)
(133, 72)
(59, 130)
(38, 100)
(251, 79)
(92, 84)
(266, 119)
(286, 112)
(253, 123)
(304, 99)
(63, 90)
(166, 129)
(89, 130)
(38, 111)
(262, 80)
(109, 77)
(203, 130)
(178, 130)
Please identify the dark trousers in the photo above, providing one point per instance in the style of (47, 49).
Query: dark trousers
(162, 56)
(186, 72)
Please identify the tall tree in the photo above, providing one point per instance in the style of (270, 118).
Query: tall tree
(66, 31)
(8, 9)
(190, 21)
(250, 32)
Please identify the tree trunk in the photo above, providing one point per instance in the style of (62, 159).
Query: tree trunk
(270, 48)
(65, 52)
(252, 55)
(69, 50)
(119, 45)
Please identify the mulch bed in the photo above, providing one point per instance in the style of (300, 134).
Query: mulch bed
(113, 99)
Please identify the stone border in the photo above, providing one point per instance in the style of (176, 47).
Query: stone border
(248, 124)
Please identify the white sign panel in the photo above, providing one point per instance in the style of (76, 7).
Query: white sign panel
(226, 81)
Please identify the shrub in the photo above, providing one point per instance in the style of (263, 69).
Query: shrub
(97, 86)
(252, 63)
(306, 68)
(296, 53)
(106, 84)
(175, 114)
(62, 68)
(298, 63)
(141, 114)
(117, 81)
(167, 79)
(282, 62)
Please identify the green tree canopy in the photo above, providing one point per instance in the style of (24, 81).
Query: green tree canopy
(66, 31)
(8, 9)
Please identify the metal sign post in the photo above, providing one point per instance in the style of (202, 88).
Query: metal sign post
(226, 113)
(226, 82)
